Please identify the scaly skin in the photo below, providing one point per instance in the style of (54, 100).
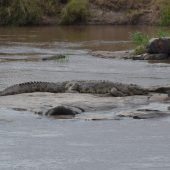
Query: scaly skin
(93, 87)
(30, 87)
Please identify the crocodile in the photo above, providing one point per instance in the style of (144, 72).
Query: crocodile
(91, 86)
(30, 87)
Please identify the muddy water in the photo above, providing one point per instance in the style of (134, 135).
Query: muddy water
(18, 45)
(31, 142)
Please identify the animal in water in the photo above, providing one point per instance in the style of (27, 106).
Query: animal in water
(90, 86)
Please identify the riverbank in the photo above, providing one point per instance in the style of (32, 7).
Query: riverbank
(115, 12)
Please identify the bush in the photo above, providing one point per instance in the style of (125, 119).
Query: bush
(140, 40)
(50, 7)
(75, 11)
(141, 49)
(21, 12)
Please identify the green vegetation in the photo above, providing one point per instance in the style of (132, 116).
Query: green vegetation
(163, 33)
(31, 12)
(141, 40)
(165, 13)
(141, 49)
(20, 12)
(50, 7)
(76, 11)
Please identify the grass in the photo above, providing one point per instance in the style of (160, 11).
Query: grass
(50, 7)
(20, 12)
(76, 11)
(29, 12)
(119, 5)
(162, 33)
(141, 40)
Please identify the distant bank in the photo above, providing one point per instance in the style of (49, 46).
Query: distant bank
(54, 12)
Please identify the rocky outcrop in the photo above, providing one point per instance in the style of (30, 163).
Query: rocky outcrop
(129, 55)
(147, 56)
(145, 114)
(71, 100)
(88, 106)
(159, 46)
(66, 111)
(157, 49)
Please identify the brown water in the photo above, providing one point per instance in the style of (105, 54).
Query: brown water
(91, 37)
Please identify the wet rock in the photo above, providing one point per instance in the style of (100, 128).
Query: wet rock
(113, 54)
(130, 55)
(96, 117)
(74, 103)
(145, 114)
(148, 56)
(158, 97)
(63, 111)
(159, 46)
(54, 57)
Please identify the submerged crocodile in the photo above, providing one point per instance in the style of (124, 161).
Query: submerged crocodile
(93, 87)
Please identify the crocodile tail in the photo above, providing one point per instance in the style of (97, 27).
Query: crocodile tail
(30, 87)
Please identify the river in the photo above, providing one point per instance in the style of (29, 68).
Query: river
(28, 141)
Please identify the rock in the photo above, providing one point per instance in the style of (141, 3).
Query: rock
(113, 54)
(130, 55)
(54, 57)
(158, 97)
(50, 103)
(159, 46)
(160, 56)
(63, 111)
(148, 56)
(144, 114)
